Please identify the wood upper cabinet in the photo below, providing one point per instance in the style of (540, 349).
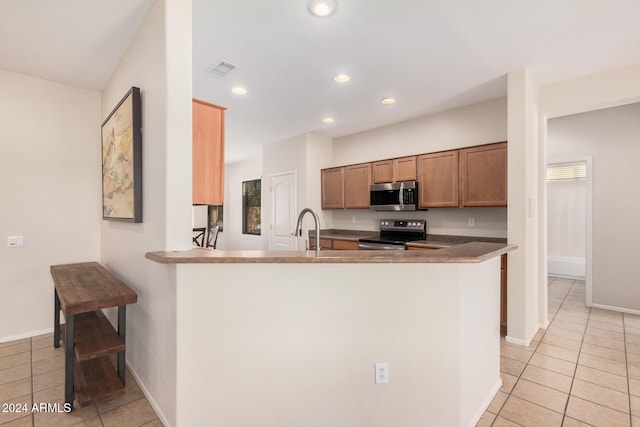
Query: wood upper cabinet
(404, 169)
(438, 180)
(332, 183)
(483, 175)
(208, 153)
(357, 180)
(382, 171)
(394, 170)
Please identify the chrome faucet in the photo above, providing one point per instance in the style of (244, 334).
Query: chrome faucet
(298, 231)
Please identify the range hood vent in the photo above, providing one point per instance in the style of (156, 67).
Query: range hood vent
(222, 68)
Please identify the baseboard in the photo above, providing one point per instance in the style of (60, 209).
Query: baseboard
(147, 394)
(566, 267)
(27, 335)
(492, 395)
(545, 325)
(618, 309)
(525, 343)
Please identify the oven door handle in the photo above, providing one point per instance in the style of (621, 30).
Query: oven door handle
(379, 246)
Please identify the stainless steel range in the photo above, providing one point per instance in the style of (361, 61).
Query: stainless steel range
(394, 233)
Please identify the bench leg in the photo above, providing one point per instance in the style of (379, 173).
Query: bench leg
(69, 359)
(56, 319)
(122, 331)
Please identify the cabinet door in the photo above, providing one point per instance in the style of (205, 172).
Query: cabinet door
(357, 180)
(347, 245)
(483, 175)
(503, 295)
(324, 243)
(208, 153)
(332, 183)
(382, 172)
(438, 180)
(404, 169)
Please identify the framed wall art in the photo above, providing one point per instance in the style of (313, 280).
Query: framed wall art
(122, 160)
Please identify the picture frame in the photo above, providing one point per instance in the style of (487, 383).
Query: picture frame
(122, 160)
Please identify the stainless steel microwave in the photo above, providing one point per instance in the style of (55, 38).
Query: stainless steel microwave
(397, 196)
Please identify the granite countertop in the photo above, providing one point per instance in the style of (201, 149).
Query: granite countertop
(472, 252)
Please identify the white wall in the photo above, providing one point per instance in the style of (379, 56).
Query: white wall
(476, 124)
(304, 154)
(524, 316)
(611, 136)
(158, 61)
(50, 192)
(298, 346)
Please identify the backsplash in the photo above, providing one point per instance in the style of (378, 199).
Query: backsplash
(488, 222)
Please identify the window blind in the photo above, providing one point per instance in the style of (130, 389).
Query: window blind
(566, 171)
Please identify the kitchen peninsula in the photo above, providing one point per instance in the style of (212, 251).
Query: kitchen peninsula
(276, 338)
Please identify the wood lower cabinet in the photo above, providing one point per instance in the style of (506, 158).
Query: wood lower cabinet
(405, 169)
(336, 244)
(438, 180)
(332, 183)
(483, 175)
(357, 180)
(347, 245)
(324, 243)
(208, 153)
(503, 295)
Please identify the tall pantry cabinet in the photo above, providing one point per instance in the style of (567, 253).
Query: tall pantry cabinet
(208, 153)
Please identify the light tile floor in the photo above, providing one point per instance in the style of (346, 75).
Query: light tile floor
(584, 370)
(32, 371)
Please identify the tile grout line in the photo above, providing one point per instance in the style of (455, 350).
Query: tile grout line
(33, 419)
(531, 356)
(575, 370)
(626, 365)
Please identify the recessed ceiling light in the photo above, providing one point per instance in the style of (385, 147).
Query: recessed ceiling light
(328, 120)
(387, 101)
(239, 91)
(341, 78)
(322, 8)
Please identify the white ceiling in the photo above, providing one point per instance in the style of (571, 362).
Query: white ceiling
(431, 55)
(78, 42)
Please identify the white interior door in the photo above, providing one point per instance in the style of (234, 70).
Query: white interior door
(283, 191)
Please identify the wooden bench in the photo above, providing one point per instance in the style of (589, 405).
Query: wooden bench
(81, 291)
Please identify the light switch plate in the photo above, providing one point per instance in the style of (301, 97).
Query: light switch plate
(15, 241)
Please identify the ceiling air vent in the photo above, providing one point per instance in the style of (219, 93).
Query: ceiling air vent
(222, 68)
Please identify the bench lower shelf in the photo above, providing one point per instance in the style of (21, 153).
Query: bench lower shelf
(94, 336)
(96, 379)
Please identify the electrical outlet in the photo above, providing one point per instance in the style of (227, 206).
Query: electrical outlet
(15, 241)
(382, 373)
(353, 219)
(471, 222)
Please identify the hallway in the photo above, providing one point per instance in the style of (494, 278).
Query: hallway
(583, 370)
